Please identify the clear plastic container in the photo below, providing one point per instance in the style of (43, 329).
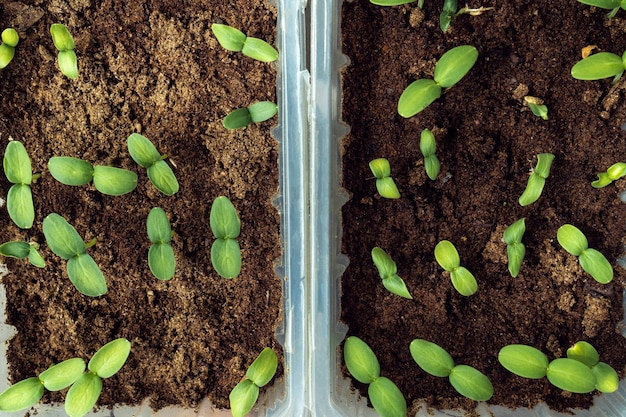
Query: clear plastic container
(286, 396)
(331, 391)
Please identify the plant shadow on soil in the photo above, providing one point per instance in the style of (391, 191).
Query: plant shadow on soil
(487, 143)
(151, 67)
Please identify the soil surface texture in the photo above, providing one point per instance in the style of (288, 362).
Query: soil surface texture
(152, 67)
(487, 141)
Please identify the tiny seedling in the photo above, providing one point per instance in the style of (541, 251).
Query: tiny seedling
(537, 179)
(65, 242)
(21, 250)
(564, 373)
(64, 43)
(599, 66)
(593, 262)
(612, 5)
(77, 172)
(448, 258)
(161, 258)
(428, 147)
(537, 107)
(515, 249)
(449, 70)
(261, 371)
(363, 365)
(226, 226)
(18, 171)
(233, 39)
(10, 38)
(255, 113)
(450, 12)
(384, 183)
(607, 379)
(466, 380)
(85, 387)
(159, 172)
(614, 173)
(388, 272)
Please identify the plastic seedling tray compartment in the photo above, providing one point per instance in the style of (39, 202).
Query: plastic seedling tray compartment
(285, 397)
(330, 389)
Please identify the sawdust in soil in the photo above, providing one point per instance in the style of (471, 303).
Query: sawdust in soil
(152, 67)
(487, 143)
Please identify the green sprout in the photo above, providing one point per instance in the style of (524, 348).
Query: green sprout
(159, 172)
(77, 172)
(428, 147)
(449, 70)
(388, 272)
(245, 394)
(363, 365)
(10, 38)
(599, 66)
(64, 43)
(515, 249)
(614, 173)
(612, 5)
(384, 183)
(592, 261)
(564, 373)
(448, 258)
(537, 179)
(65, 242)
(21, 250)
(161, 258)
(537, 107)
(18, 171)
(449, 13)
(466, 380)
(233, 39)
(607, 379)
(255, 113)
(85, 387)
(226, 226)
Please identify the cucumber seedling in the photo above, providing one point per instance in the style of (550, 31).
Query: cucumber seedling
(77, 172)
(466, 380)
(612, 5)
(161, 259)
(449, 70)
(593, 262)
(537, 179)
(226, 226)
(21, 250)
(18, 170)
(363, 365)
(385, 185)
(159, 172)
(515, 249)
(607, 379)
(599, 66)
(450, 12)
(448, 258)
(233, 39)
(389, 273)
(255, 113)
(65, 242)
(10, 38)
(64, 43)
(536, 106)
(614, 173)
(428, 147)
(245, 394)
(564, 373)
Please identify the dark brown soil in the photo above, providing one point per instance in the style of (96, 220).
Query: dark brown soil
(487, 143)
(152, 67)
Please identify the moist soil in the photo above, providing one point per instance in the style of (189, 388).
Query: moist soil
(487, 143)
(152, 67)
